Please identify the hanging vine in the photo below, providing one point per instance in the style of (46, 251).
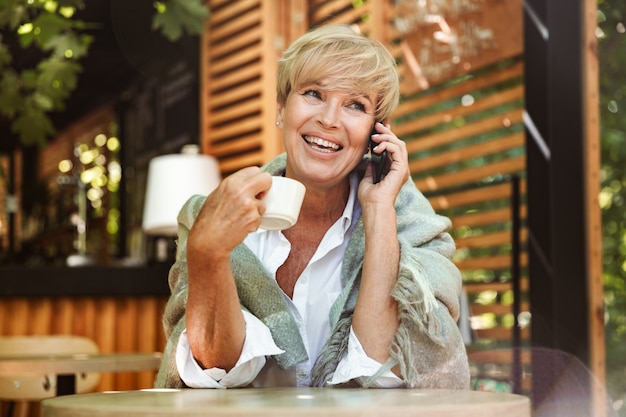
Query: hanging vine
(29, 95)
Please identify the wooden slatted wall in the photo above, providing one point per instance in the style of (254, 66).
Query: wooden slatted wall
(240, 51)
(463, 157)
(465, 139)
(464, 135)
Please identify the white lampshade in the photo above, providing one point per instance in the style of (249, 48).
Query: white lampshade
(172, 179)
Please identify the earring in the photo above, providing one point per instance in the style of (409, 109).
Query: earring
(277, 123)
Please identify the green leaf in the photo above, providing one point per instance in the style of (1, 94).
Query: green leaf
(12, 14)
(76, 4)
(33, 127)
(5, 54)
(57, 79)
(9, 93)
(48, 26)
(26, 39)
(29, 79)
(178, 16)
(69, 45)
(170, 29)
(43, 102)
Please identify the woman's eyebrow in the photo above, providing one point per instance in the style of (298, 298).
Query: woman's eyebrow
(363, 96)
(331, 86)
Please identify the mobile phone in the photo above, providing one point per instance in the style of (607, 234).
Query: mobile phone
(380, 161)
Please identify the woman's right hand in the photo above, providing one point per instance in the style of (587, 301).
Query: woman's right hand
(215, 325)
(229, 213)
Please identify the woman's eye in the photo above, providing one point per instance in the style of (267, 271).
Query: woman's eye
(312, 93)
(357, 105)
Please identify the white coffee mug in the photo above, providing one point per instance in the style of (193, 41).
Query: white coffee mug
(282, 204)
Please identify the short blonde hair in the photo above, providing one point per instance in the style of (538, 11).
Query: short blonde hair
(353, 62)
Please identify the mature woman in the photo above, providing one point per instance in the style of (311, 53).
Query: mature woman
(361, 290)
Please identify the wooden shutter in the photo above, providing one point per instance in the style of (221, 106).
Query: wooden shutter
(238, 103)
(465, 138)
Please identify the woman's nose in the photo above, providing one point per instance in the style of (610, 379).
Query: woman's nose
(329, 115)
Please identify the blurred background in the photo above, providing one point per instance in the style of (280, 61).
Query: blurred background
(91, 92)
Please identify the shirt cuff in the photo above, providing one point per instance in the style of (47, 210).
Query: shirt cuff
(357, 366)
(258, 344)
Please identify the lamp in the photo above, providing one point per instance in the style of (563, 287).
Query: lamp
(172, 179)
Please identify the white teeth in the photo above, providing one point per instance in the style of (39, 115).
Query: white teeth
(325, 146)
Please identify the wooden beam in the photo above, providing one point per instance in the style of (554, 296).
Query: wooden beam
(593, 224)
(271, 142)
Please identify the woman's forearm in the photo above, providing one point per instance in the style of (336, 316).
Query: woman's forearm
(215, 324)
(375, 318)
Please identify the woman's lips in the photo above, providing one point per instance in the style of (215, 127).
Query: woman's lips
(321, 145)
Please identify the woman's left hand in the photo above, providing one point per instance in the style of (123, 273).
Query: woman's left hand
(388, 188)
(375, 319)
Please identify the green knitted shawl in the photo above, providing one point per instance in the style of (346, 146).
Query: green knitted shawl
(427, 346)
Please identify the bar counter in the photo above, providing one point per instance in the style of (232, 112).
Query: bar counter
(61, 281)
(120, 308)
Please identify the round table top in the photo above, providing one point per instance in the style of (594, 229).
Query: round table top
(61, 364)
(289, 402)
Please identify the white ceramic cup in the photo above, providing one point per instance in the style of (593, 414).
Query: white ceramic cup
(282, 204)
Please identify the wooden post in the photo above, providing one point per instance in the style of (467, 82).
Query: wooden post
(563, 185)
(272, 45)
(593, 226)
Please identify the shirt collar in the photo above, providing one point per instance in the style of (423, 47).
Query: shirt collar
(352, 210)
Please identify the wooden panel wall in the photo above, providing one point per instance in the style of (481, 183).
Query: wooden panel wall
(465, 139)
(466, 144)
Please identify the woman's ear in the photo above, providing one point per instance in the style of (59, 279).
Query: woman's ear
(279, 115)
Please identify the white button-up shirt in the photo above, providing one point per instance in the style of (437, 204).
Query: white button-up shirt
(315, 291)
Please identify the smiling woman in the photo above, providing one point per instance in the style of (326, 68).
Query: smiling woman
(361, 285)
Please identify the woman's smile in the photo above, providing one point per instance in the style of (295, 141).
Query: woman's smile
(322, 145)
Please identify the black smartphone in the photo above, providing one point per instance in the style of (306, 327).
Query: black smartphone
(380, 161)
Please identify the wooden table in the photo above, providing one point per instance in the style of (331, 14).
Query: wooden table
(289, 402)
(67, 366)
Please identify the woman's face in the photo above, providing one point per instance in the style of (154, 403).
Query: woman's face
(325, 131)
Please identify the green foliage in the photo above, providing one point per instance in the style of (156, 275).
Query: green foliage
(174, 17)
(27, 96)
(32, 123)
(612, 56)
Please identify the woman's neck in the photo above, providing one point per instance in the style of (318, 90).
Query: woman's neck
(325, 204)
